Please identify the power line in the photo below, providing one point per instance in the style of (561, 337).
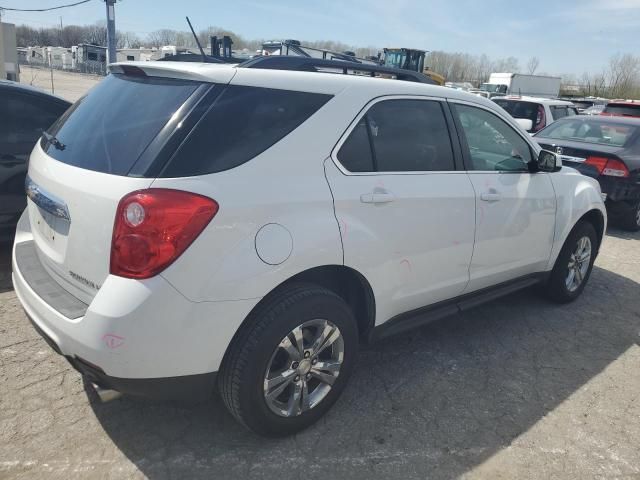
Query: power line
(43, 9)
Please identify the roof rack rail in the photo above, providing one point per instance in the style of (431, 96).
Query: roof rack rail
(310, 64)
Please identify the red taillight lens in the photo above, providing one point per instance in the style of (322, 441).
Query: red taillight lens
(153, 227)
(610, 167)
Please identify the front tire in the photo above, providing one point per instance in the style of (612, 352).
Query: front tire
(574, 264)
(290, 361)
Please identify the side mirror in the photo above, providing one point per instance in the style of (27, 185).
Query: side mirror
(525, 123)
(549, 161)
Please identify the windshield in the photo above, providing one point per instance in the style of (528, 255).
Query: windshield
(109, 128)
(394, 59)
(590, 131)
(489, 87)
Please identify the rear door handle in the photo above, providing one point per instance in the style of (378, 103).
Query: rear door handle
(377, 197)
(490, 197)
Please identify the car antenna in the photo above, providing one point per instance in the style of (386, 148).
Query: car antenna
(204, 57)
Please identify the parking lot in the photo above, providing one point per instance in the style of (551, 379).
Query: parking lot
(519, 388)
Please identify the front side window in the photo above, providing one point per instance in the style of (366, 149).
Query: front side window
(493, 144)
(400, 136)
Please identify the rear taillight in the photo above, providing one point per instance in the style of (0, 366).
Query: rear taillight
(610, 167)
(154, 227)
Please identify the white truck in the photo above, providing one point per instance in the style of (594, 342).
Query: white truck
(518, 84)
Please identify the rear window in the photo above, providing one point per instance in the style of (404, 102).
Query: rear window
(624, 110)
(108, 129)
(586, 131)
(521, 109)
(242, 123)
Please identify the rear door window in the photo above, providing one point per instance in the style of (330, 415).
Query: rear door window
(242, 123)
(108, 129)
(400, 136)
(559, 111)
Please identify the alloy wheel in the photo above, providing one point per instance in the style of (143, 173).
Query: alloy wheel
(579, 262)
(303, 368)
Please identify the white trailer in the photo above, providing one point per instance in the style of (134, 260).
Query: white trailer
(519, 84)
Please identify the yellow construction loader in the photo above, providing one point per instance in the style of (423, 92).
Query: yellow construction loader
(409, 59)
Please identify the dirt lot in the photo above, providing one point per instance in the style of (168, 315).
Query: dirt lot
(68, 85)
(518, 388)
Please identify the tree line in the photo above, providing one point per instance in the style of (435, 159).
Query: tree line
(619, 79)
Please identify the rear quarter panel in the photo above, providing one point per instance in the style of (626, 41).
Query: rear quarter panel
(284, 185)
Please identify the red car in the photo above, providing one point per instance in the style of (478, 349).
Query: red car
(622, 108)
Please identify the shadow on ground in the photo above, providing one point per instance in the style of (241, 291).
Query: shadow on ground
(441, 399)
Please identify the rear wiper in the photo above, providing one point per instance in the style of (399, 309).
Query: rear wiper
(54, 141)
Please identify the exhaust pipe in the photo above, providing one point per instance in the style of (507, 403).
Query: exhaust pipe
(105, 394)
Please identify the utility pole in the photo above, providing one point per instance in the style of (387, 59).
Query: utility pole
(111, 31)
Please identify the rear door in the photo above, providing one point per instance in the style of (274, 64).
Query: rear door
(78, 174)
(406, 215)
(515, 208)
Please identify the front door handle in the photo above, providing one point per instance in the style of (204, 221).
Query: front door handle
(490, 197)
(377, 197)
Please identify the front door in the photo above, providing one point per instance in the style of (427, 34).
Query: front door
(515, 209)
(406, 215)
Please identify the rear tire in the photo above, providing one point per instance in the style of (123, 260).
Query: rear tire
(265, 355)
(573, 267)
(631, 219)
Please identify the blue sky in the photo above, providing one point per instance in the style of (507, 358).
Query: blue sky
(569, 36)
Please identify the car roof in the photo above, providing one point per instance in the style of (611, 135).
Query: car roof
(524, 98)
(314, 82)
(22, 87)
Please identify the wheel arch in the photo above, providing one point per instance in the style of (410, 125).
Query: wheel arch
(595, 218)
(346, 282)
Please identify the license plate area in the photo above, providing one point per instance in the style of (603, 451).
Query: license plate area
(50, 231)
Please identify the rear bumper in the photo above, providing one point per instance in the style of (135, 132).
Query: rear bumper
(133, 330)
(186, 387)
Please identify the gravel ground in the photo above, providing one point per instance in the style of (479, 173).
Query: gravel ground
(518, 388)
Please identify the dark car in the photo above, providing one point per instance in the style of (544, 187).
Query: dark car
(608, 149)
(25, 112)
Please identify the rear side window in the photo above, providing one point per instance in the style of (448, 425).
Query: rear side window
(108, 129)
(399, 136)
(242, 123)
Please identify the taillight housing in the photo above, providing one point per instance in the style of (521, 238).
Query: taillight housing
(154, 227)
(611, 167)
(541, 119)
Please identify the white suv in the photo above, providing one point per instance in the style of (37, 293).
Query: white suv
(195, 225)
(539, 111)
